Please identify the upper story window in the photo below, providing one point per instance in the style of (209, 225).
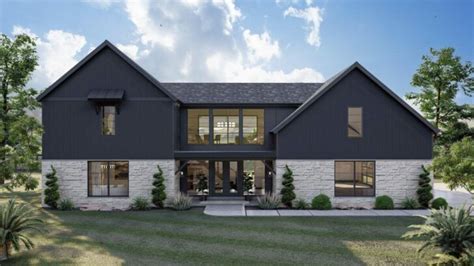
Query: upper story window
(354, 123)
(226, 126)
(108, 120)
(253, 126)
(198, 126)
(229, 126)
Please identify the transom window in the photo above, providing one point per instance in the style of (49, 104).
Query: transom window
(229, 126)
(354, 123)
(108, 120)
(108, 179)
(355, 178)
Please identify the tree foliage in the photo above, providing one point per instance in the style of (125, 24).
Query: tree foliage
(158, 191)
(51, 193)
(440, 76)
(19, 133)
(424, 190)
(287, 192)
(455, 165)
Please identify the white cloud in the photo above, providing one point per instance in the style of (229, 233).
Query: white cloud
(205, 45)
(313, 18)
(260, 47)
(57, 52)
(130, 50)
(231, 69)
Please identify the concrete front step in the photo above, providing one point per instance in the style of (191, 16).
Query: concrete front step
(223, 202)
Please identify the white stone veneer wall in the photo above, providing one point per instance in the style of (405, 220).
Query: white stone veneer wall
(395, 178)
(72, 176)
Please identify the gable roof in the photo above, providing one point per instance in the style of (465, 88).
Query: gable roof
(242, 93)
(105, 44)
(333, 81)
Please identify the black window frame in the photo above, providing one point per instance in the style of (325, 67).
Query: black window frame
(108, 180)
(361, 133)
(102, 113)
(211, 128)
(353, 179)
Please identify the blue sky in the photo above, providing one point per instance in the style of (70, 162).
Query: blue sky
(265, 40)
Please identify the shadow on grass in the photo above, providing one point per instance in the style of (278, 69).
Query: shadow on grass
(169, 237)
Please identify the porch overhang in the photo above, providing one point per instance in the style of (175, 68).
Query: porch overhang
(215, 155)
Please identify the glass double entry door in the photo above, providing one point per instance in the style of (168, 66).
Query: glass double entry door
(225, 178)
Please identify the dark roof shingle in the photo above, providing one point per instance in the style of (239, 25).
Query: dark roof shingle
(242, 93)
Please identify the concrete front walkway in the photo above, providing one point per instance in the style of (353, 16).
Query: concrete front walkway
(239, 210)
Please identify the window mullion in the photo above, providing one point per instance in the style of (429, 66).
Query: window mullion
(354, 179)
(108, 179)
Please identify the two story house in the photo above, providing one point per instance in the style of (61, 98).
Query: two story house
(108, 124)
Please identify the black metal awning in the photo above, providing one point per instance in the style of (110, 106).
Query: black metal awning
(101, 95)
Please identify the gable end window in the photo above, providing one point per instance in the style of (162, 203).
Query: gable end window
(108, 120)
(354, 122)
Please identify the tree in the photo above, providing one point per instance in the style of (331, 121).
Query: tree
(455, 165)
(287, 192)
(424, 191)
(19, 133)
(51, 193)
(440, 76)
(158, 192)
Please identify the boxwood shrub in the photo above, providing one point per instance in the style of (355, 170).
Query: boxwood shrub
(321, 202)
(439, 203)
(384, 202)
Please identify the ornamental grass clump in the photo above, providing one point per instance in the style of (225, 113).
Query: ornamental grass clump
(269, 201)
(410, 204)
(181, 202)
(300, 204)
(450, 230)
(66, 205)
(16, 220)
(140, 204)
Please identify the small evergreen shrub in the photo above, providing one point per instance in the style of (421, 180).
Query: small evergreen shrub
(66, 205)
(384, 203)
(51, 193)
(424, 190)
(439, 203)
(321, 202)
(181, 202)
(300, 204)
(409, 204)
(287, 192)
(158, 191)
(140, 204)
(269, 201)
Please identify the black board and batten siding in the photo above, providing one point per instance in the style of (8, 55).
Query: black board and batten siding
(390, 131)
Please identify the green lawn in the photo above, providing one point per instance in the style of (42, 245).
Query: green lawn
(169, 237)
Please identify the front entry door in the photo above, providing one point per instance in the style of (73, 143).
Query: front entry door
(226, 178)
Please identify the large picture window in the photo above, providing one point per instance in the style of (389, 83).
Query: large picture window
(355, 178)
(108, 120)
(108, 179)
(197, 177)
(354, 123)
(229, 126)
(198, 126)
(226, 126)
